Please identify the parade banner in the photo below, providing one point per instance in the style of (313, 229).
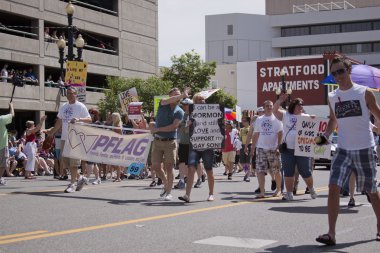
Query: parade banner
(128, 97)
(134, 110)
(207, 93)
(207, 128)
(307, 130)
(76, 75)
(238, 113)
(157, 100)
(99, 145)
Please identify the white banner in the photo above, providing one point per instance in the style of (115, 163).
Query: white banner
(307, 130)
(106, 147)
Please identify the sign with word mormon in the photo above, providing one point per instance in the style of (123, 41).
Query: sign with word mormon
(207, 128)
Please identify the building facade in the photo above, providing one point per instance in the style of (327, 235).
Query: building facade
(121, 39)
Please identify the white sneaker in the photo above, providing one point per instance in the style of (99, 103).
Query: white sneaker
(288, 196)
(3, 181)
(97, 181)
(70, 188)
(211, 198)
(313, 194)
(168, 197)
(163, 192)
(82, 180)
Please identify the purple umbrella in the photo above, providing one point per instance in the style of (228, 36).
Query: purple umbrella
(366, 75)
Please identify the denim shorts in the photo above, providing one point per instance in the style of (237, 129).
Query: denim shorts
(206, 155)
(289, 162)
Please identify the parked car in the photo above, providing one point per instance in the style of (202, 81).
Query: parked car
(327, 162)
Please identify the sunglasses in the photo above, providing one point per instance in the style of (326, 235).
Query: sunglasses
(338, 72)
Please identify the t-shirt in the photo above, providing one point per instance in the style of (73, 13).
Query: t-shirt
(165, 117)
(268, 127)
(69, 111)
(243, 135)
(289, 122)
(4, 75)
(4, 121)
(229, 140)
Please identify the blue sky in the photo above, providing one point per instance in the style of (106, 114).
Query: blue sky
(182, 23)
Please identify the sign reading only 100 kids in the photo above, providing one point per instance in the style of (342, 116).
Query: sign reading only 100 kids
(207, 128)
(307, 130)
(302, 76)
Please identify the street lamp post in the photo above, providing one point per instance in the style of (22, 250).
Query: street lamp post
(283, 89)
(70, 11)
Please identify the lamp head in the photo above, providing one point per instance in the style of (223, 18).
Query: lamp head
(70, 8)
(79, 42)
(289, 91)
(61, 43)
(278, 91)
(282, 73)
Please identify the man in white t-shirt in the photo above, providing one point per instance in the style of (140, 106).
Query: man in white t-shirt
(71, 112)
(4, 73)
(266, 138)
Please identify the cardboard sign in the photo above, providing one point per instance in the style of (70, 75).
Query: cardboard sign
(128, 97)
(307, 130)
(134, 110)
(207, 128)
(157, 100)
(76, 75)
(207, 93)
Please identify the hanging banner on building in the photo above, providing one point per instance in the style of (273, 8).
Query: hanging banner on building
(206, 93)
(76, 75)
(99, 145)
(307, 130)
(134, 110)
(157, 100)
(207, 128)
(126, 97)
(302, 76)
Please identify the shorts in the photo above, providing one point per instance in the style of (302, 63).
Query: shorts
(253, 162)
(161, 149)
(68, 162)
(289, 162)
(267, 160)
(206, 155)
(183, 153)
(4, 154)
(57, 153)
(237, 158)
(245, 158)
(228, 157)
(362, 162)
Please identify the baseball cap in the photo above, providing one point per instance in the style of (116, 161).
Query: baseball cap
(187, 101)
(260, 109)
(229, 122)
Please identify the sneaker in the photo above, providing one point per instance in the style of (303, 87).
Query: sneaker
(351, 203)
(180, 185)
(257, 190)
(229, 176)
(273, 185)
(168, 197)
(247, 179)
(203, 178)
(307, 191)
(288, 196)
(163, 192)
(3, 181)
(97, 181)
(104, 178)
(159, 181)
(225, 174)
(184, 198)
(177, 177)
(198, 184)
(153, 184)
(313, 194)
(82, 180)
(70, 188)
(211, 198)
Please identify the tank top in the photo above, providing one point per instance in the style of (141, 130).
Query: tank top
(353, 116)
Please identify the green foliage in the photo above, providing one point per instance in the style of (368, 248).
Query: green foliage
(222, 98)
(189, 70)
(146, 90)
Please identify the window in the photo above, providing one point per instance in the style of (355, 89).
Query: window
(356, 27)
(230, 50)
(325, 29)
(295, 51)
(376, 25)
(230, 29)
(376, 47)
(323, 49)
(295, 31)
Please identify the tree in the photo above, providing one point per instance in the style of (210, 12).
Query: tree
(223, 98)
(189, 70)
(146, 90)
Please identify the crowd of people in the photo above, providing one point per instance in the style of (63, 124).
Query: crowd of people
(262, 145)
(25, 75)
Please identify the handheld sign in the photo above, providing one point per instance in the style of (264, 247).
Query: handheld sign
(135, 168)
(127, 97)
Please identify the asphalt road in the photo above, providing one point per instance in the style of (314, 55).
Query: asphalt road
(36, 216)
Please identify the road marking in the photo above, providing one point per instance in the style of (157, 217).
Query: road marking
(140, 220)
(22, 234)
(236, 242)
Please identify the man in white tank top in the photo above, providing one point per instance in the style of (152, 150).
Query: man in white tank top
(350, 108)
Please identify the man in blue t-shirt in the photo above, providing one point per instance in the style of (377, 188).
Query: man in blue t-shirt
(164, 146)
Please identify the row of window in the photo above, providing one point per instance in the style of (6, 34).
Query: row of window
(108, 7)
(330, 28)
(345, 49)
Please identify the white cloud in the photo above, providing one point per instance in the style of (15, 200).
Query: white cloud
(182, 23)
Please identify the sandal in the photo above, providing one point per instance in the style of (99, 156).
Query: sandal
(278, 194)
(326, 239)
(260, 197)
(378, 236)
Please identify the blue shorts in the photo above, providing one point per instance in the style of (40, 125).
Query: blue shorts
(362, 162)
(206, 155)
(57, 153)
(289, 162)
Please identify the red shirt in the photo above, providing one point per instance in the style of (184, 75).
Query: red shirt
(30, 138)
(227, 142)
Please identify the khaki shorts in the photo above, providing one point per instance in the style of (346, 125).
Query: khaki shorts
(68, 162)
(164, 149)
(267, 160)
(228, 157)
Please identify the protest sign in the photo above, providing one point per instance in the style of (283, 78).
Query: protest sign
(307, 130)
(76, 75)
(207, 128)
(106, 147)
(206, 93)
(157, 100)
(134, 110)
(127, 97)
(238, 113)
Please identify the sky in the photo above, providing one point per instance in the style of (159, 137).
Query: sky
(181, 23)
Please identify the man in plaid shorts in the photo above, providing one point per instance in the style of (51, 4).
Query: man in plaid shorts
(266, 138)
(350, 108)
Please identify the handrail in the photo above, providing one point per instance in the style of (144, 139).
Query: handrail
(101, 49)
(88, 88)
(17, 31)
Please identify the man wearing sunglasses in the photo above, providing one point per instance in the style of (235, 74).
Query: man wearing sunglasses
(350, 108)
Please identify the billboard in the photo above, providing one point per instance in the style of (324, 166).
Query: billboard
(303, 76)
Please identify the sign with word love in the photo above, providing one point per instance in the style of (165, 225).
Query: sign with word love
(135, 168)
(307, 130)
(76, 75)
(128, 97)
(207, 127)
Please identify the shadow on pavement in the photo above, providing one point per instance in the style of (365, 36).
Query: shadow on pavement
(310, 209)
(314, 248)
